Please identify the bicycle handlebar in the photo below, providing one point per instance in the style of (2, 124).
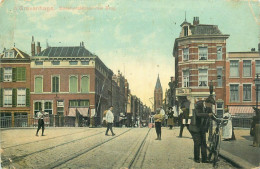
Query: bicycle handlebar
(218, 120)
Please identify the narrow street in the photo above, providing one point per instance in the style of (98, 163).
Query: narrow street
(90, 148)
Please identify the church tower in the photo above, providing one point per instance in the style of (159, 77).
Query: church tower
(158, 94)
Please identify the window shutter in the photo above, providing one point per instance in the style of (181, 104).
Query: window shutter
(1, 74)
(1, 97)
(14, 74)
(27, 97)
(23, 73)
(14, 98)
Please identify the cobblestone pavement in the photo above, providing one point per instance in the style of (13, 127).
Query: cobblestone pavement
(90, 148)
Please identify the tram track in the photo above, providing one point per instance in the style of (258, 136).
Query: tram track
(32, 142)
(7, 162)
(79, 153)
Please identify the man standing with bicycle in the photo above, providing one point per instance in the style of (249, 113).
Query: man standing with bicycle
(199, 127)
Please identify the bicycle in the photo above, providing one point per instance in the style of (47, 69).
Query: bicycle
(214, 146)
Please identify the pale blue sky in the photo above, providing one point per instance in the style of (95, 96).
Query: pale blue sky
(134, 36)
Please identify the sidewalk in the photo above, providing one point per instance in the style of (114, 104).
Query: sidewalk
(241, 150)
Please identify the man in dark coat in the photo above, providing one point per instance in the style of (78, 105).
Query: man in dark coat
(199, 127)
(184, 117)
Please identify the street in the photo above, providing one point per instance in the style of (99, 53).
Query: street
(90, 148)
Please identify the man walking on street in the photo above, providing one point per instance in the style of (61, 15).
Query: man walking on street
(184, 119)
(41, 116)
(110, 120)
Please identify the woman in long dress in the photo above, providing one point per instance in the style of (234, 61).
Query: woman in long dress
(227, 129)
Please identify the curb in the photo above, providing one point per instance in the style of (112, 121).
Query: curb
(234, 160)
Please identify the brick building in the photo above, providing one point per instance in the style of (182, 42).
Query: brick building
(68, 81)
(15, 88)
(158, 94)
(242, 68)
(200, 56)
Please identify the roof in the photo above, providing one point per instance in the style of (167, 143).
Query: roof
(158, 84)
(205, 30)
(76, 51)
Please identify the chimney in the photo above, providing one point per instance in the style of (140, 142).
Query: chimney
(253, 50)
(79, 43)
(258, 47)
(38, 47)
(196, 21)
(82, 44)
(33, 47)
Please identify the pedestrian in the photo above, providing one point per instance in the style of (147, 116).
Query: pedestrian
(110, 120)
(255, 126)
(162, 112)
(41, 116)
(184, 119)
(104, 118)
(199, 127)
(158, 124)
(227, 130)
(170, 118)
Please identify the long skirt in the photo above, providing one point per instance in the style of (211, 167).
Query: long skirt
(170, 122)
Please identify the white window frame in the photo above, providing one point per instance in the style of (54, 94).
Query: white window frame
(185, 52)
(250, 92)
(238, 99)
(52, 84)
(8, 76)
(203, 75)
(238, 63)
(76, 85)
(8, 97)
(35, 82)
(250, 68)
(203, 55)
(186, 79)
(219, 53)
(256, 66)
(21, 95)
(220, 108)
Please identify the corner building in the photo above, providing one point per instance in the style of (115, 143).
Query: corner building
(200, 56)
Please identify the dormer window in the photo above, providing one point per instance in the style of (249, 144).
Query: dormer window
(6, 54)
(9, 54)
(186, 29)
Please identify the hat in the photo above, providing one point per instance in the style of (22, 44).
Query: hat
(210, 99)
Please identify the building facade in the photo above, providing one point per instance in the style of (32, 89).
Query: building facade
(200, 57)
(15, 88)
(242, 83)
(68, 81)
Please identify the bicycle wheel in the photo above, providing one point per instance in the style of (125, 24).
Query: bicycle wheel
(217, 148)
(212, 146)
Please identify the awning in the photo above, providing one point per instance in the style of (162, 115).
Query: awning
(241, 110)
(82, 110)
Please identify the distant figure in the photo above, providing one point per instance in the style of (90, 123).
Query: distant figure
(227, 130)
(110, 120)
(158, 124)
(162, 112)
(41, 116)
(184, 119)
(170, 117)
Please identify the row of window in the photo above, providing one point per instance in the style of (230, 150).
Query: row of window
(57, 62)
(9, 54)
(15, 97)
(203, 78)
(73, 84)
(13, 74)
(247, 68)
(247, 92)
(47, 106)
(203, 53)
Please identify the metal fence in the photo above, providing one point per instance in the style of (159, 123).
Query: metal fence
(50, 121)
(242, 122)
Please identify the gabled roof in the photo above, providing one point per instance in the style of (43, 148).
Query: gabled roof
(76, 51)
(18, 54)
(158, 83)
(205, 30)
